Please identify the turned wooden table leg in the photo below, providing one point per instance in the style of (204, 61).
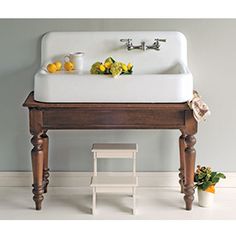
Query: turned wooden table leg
(190, 155)
(37, 155)
(181, 155)
(45, 161)
(37, 166)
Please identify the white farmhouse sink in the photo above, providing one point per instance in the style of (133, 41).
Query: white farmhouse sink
(158, 76)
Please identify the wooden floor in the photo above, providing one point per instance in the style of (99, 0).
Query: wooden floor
(75, 203)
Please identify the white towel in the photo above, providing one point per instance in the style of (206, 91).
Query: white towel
(200, 109)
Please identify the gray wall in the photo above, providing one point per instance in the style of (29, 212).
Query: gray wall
(212, 60)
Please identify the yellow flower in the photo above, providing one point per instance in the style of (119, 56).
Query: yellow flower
(124, 67)
(211, 189)
(102, 68)
(107, 65)
(129, 66)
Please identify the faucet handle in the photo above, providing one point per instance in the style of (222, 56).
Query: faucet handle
(159, 40)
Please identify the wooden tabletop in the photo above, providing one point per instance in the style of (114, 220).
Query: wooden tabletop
(31, 103)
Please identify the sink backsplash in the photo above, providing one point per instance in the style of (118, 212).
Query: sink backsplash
(100, 45)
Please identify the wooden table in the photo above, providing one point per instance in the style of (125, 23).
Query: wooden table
(46, 116)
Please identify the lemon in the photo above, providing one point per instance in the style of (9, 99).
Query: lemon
(129, 66)
(124, 67)
(102, 68)
(58, 65)
(51, 68)
(68, 66)
(107, 65)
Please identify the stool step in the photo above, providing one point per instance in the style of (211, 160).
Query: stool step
(108, 147)
(114, 181)
(115, 155)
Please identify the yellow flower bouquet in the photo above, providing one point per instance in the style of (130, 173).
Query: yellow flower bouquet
(111, 67)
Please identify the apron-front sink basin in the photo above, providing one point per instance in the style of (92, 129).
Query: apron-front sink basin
(158, 76)
(135, 88)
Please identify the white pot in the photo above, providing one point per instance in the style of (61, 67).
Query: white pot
(205, 199)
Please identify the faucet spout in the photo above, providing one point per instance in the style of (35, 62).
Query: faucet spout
(143, 46)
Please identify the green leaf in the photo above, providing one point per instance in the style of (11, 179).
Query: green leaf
(221, 175)
(213, 174)
(208, 176)
(199, 185)
(201, 175)
(112, 59)
(126, 72)
(205, 185)
(196, 178)
(215, 179)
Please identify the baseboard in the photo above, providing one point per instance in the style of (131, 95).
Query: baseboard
(82, 179)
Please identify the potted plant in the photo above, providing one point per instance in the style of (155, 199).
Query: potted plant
(205, 180)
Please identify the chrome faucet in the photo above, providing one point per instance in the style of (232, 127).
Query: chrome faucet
(156, 45)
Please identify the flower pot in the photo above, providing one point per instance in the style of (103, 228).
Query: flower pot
(205, 199)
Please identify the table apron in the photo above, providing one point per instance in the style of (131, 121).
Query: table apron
(113, 119)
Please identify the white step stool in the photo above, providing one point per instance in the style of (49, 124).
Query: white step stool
(114, 150)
